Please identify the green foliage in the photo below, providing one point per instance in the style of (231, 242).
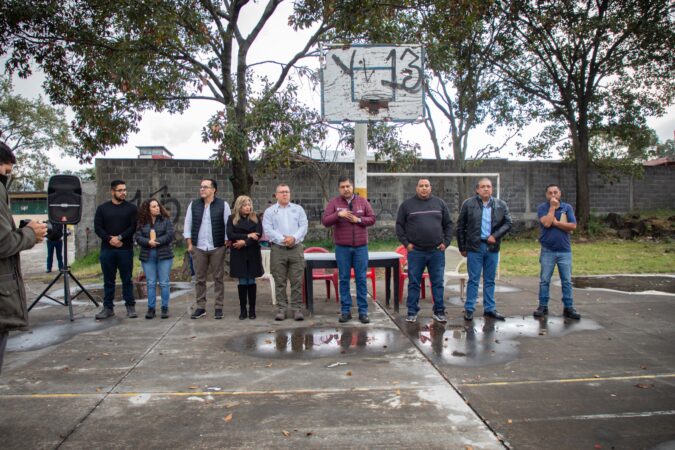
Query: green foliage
(589, 69)
(112, 61)
(666, 149)
(386, 140)
(31, 128)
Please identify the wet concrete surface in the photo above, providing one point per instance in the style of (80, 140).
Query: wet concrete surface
(607, 380)
(54, 332)
(627, 283)
(485, 341)
(310, 342)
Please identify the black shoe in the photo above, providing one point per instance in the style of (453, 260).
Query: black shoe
(363, 318)
(218, 314)
(468, 316)
(131, 312)
(252, 293)
(197, 313)
(345, 317)
(439, 317)
(165, 312)
(493, 315)
(251, 315)
(571, 313)
(243, 314)
(243, 290)
(150, 314)
(542, 311)
(105, 313)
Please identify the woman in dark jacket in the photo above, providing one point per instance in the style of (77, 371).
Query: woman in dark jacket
(154, 234)
(244, 230)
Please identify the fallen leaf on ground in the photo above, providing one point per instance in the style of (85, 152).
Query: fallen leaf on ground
(309, 433)
(509, 421)
(349, 374)
(193, 387)
(285, 433)
(228, 418)
(644, 385)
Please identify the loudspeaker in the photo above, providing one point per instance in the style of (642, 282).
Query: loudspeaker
(64, 199)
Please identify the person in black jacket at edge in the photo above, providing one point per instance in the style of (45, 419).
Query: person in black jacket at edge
(483, 222)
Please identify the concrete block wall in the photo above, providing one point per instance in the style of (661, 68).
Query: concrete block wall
(176, 182)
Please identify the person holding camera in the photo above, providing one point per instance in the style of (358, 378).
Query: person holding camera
(13, 311)
(55, 244)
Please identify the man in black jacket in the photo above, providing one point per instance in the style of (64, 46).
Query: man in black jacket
(115, 224)
(424, 227)
(483, 222)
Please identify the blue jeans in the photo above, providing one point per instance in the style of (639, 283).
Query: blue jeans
(112, 260)
(246, 281)
(51, 247)
(434, 262)
(157, 270)
(548, 260)
(483, 261)
(348, 258)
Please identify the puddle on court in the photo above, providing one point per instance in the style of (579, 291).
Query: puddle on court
(55, 332)
(306, 342)
(627, 283)
(486, 342)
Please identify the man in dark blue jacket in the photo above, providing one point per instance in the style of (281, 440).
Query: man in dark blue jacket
(483, 222)
(424, 227)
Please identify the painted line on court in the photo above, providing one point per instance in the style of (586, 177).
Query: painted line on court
(567, 380)
(626, 415)
(215, 393)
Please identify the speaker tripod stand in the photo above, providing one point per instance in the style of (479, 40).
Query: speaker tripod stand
(67, 275)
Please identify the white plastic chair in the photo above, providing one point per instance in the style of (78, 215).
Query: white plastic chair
(453, 262)
(267, 275)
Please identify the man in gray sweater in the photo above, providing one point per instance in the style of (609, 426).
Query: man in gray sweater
(424, 227)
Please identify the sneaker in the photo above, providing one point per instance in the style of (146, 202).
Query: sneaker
(281, 315)
(131, 311)
(165, 312)
(439, 317)
(493, 315)
(150, 314)
(468, 316)
(571, 313)
(345, 317)
(363, 318)
(542, 311)
(411, 318)
(297, 315)
(105, 313)
(218, 314)
(197, 313)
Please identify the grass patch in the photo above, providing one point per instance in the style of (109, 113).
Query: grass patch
(521, 258)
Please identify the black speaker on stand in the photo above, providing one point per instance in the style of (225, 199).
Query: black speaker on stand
(64, 207)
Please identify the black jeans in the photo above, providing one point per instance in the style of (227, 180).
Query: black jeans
(113, 260)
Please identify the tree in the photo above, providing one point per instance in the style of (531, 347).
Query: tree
(31, 128)
(588, 67)
(112, 61)
(665, 150)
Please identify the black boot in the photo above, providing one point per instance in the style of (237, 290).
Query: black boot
(252, 290)
(242, 301)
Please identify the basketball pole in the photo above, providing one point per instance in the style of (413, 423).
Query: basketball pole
(361, 160)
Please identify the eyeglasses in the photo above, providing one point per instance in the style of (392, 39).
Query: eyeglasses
(205, 187)
(120, 190)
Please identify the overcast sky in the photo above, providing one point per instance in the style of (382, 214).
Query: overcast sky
(181, 134)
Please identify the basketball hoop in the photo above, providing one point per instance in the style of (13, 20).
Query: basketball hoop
(373, 105)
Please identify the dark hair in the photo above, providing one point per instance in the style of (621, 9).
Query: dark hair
(213, 183)
(6, 154)
(481, 179)
(116, 183)
(553, 185)
(144, 215)
(344, 178)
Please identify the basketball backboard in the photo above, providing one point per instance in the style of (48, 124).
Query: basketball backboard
(362, 83)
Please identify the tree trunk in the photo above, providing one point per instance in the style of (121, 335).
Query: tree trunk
(582, 161)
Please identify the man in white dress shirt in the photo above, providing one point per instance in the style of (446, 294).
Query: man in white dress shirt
(285, 224)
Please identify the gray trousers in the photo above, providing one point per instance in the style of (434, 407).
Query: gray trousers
(3, 345)
(288, 264)
(215, 261)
